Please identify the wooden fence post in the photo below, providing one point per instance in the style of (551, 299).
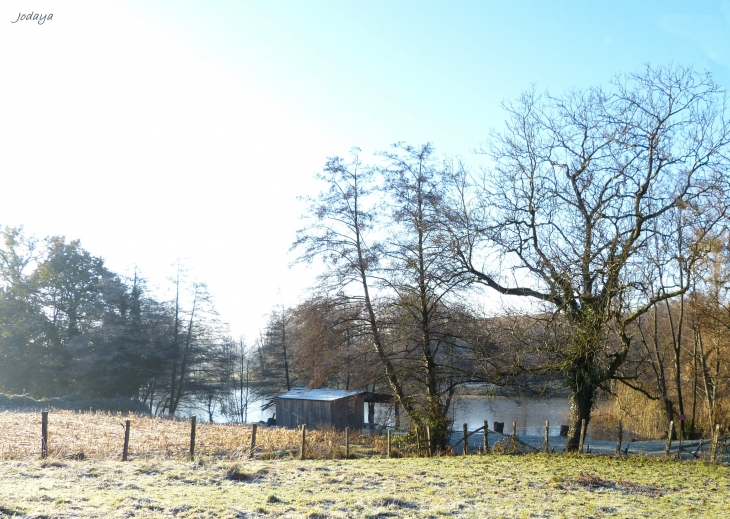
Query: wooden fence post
(254, 428)
(125, 451)
(669, 438)
(547, 435)
(620, 437)
(389, 439)
(582, 435)
(44, 434)
(304, 439)
(192, 437)
(715, 441)
(679, 446)
(466, 439)
(347, 443)
(514, 430)
(486, 438)
(428, 441)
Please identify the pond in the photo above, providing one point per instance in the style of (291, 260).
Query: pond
(528, 413)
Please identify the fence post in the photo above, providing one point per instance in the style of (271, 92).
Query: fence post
(582, 435)
(620, 437)
(466, 439)
(679, 446)
(304, 439)
(669, 438)
(44, 434)
(514, 430)
(715, 441)
(428, 441)
(125, 451)
(192, 437)
(347, 443)
(486, 438)
(547, 435)
(389, 442)
(254, 428)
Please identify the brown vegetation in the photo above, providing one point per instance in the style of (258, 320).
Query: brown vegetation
(100, 436)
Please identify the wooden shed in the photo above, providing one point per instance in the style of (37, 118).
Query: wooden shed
(317, 408)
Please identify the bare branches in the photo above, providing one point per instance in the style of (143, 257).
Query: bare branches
(402, 284)
(581, 186)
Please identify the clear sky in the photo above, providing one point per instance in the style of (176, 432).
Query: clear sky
(152, 130)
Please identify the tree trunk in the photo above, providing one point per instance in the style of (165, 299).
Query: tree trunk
(186, 354)
(175, 343)
(584, 387)
(438, 423)
(283, 346)
(659, 369)
(210, 408)
(581, 404)
(677, 349)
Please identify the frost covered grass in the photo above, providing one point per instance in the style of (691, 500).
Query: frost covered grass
(535, 486)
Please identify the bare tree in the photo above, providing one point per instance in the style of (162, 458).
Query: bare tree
(425, 290)
(330, 347)
(401, 286)
(341, 234)
(274, 373)
(709, 309)
(242, 393)
(580, 186)
(195, 343)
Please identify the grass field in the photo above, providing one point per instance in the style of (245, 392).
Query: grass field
(477, 486)
(224, 481)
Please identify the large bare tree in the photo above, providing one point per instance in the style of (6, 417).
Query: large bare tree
(580, 186)
(341, 234)
(386, 265)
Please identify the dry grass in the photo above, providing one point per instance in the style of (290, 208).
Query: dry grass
(642, 419)
(645, 419)
(100, 436)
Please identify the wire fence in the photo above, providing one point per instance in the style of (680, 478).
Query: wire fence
(110, 436)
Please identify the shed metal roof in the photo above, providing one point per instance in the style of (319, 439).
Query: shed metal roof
(326, 395)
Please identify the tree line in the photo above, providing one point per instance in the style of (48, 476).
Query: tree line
(69, 325)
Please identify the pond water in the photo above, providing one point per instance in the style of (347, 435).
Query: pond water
(528, 413)
(199, 408)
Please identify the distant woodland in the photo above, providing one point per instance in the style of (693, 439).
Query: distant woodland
(601, 217)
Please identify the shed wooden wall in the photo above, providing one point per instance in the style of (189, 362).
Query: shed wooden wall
(340, 413)
(348, 412)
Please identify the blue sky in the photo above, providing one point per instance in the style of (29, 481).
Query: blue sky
(152, 130)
